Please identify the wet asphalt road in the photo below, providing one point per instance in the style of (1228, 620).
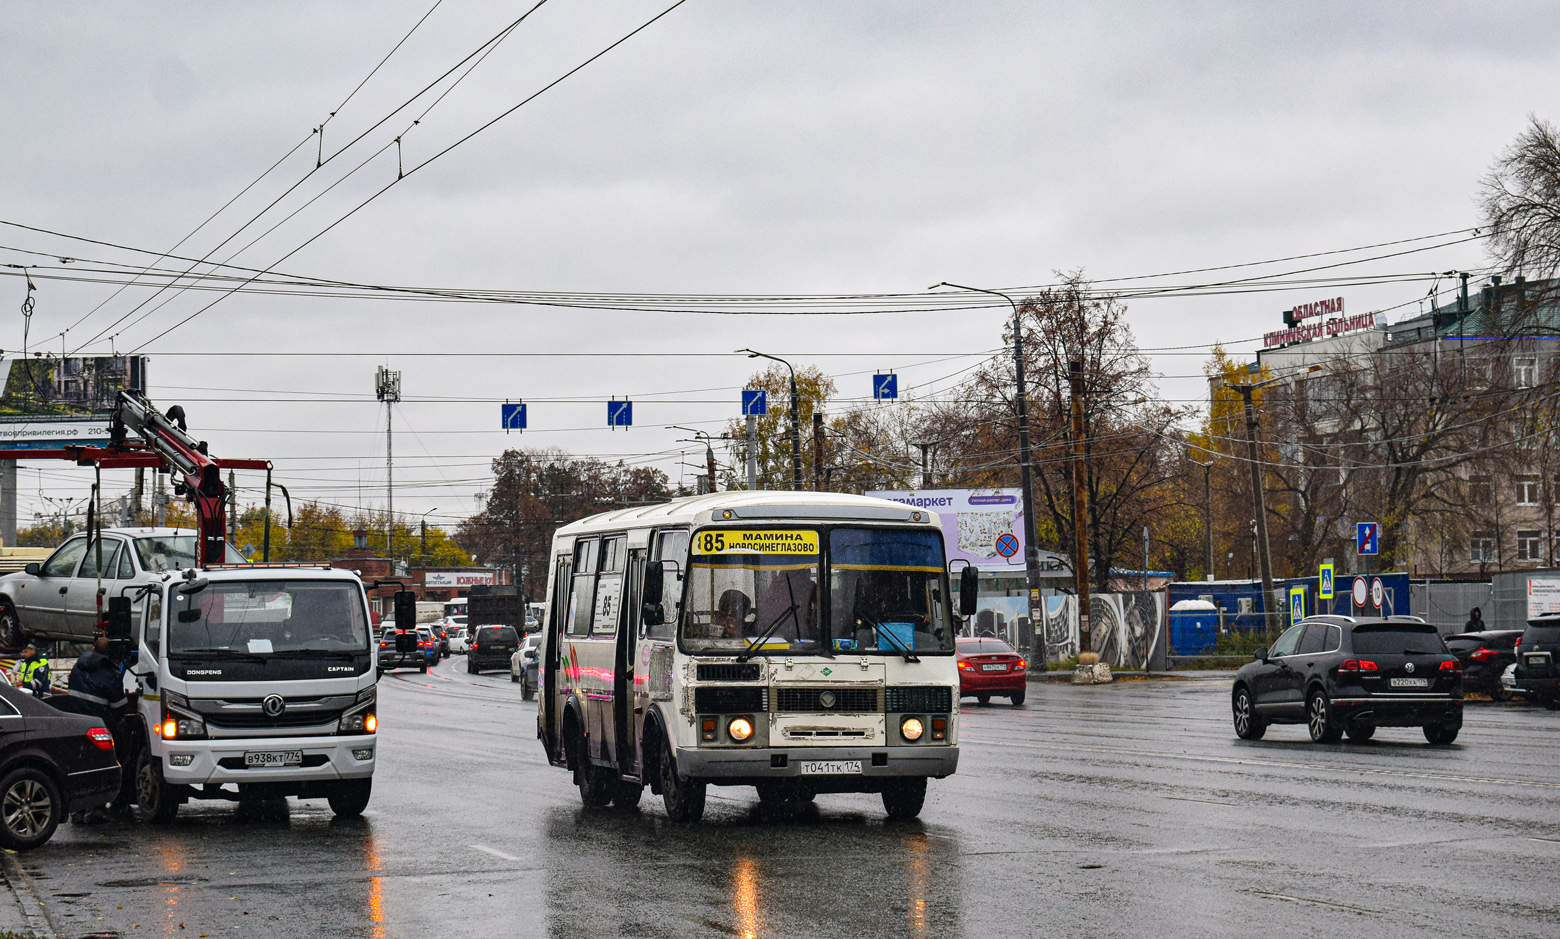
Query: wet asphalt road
(1114, 811)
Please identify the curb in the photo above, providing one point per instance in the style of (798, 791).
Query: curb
(38, 922)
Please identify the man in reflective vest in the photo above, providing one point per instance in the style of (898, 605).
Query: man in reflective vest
(33, 671)
(98, 686)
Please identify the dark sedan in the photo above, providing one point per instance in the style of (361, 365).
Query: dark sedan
(1338, 675)
(52, 763)
(1537, 672)
(1484, 656)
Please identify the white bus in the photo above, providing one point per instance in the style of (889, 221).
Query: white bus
(797, 642)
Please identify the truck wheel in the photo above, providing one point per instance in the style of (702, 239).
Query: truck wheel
(158, 800)
(683, 797)
(349, 797)
(11, 635)
(903, 798)
(30, 809)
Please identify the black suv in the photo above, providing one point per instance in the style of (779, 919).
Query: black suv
(1337, 674)
(1536, 654)
(491, 647)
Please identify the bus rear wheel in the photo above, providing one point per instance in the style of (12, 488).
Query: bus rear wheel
(596, 784)
(683, 797)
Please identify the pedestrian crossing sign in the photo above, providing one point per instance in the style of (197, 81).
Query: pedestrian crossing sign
(1296, 605)
(1324, 583)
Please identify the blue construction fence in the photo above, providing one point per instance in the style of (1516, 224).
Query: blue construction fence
(1237, 606)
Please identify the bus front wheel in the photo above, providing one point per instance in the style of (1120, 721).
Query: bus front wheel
(903, 798)
(684, 797)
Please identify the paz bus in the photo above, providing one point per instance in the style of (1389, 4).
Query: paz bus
(797, 642)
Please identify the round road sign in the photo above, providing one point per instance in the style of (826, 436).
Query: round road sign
(1377, 592)
(1007, 545)
(1360, 589)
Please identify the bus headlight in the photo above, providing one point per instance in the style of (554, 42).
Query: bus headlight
(740, 729)
(911, 728)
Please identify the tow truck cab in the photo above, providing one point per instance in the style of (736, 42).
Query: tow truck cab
(254, 681)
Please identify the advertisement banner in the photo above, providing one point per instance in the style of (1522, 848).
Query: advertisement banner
(1543, 596)
(459, 578)
(35, 433)
(981, 526)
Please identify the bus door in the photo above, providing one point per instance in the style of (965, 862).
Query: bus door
(550, 701)
(623, 709)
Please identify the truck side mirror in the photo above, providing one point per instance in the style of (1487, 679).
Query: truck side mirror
(969, 591)
(119, 626)
(405, 609)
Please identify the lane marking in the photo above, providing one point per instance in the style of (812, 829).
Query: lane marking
(494, 851)
(1284, 764)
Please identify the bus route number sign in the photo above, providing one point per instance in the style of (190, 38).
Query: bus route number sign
(764, 541)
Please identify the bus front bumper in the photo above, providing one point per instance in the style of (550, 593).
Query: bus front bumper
(820, 765)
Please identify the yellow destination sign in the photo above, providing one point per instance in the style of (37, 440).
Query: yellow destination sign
(768, 541)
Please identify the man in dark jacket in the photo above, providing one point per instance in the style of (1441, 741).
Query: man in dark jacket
(97, 685)
(1475, 622)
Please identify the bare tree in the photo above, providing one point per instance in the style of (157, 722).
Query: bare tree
(1521, 202)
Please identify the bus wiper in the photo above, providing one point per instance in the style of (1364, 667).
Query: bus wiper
(748, 652)
(883, 633)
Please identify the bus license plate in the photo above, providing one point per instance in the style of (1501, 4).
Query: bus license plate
(1410, 682)
(273, 758)
(831, 767)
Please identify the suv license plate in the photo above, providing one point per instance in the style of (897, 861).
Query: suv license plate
(273, 758)
(1410, 682)
(831, 767)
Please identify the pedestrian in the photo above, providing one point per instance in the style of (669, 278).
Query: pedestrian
(33, 671)
(97, 685)
(1475, 622)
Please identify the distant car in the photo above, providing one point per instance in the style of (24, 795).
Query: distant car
(1508, 683)
(522, 665)
(52, 763)
(491, 647)
(1484, 656)
(457, 640)
(441, 632)
(990, 667)
(1537, 673)
(1338, 675)
(393, 654)
(429, 643)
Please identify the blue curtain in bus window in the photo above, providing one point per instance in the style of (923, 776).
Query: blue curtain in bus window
(878, 548)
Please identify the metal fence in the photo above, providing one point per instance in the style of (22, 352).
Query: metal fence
(1446, 604)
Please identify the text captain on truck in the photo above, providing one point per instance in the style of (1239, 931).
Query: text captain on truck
(800, 643)
(255, 680)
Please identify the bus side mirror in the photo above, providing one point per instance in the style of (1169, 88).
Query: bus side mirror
(969, 591)
(655, 581)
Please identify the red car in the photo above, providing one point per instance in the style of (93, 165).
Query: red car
(991, 667)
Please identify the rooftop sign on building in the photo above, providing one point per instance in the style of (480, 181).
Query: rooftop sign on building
(1299, 330)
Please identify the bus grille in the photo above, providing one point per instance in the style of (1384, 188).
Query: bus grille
(729, 700)
(833, 699)
(732, 671)
(928, 700)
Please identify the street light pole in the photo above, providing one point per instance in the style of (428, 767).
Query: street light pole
(1080, 510)
(1026, 477)
(1258, 499)
(796, 418)
(701, 436)
(1207, 514)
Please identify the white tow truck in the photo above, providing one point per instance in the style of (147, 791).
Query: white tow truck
(254, 681)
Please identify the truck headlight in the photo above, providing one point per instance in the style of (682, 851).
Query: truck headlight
(179, 723)
(360, 720)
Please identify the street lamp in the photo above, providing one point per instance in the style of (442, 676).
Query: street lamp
(1031, 549)
(1207, 512)
(701, 436)
(796, 418)
(423, 523)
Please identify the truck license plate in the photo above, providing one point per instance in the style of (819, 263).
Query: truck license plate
(831, 767)
(1410, 682)
(273, 758)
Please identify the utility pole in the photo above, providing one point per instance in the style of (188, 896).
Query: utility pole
(1258, 499)
(1207, 514)
(232, 510)
(796, 418)
(1026, 476)
(817, 450)
(709, 463)
(1080, 507)
(926, 463)
(387, 385)
(752, 452)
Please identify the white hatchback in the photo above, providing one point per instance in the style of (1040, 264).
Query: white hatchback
(457, 634)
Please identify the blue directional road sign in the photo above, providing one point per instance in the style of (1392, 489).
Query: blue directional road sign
(755, 403)
(885, 387)
(620, 413)
(1367, 537)
(514, 417)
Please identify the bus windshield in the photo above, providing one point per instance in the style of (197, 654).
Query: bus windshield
(264, 617)
(753, 592)
(885, 591)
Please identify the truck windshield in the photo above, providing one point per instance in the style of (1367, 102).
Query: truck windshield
(886, 591)
(262, 617)
(753, 591)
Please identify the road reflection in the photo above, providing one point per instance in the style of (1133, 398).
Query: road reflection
(825, 872)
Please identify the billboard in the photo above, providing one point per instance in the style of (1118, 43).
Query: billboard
(48, 402)
(984, 527)
(1543, 596)
(467, 578)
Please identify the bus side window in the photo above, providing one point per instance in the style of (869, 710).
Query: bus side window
(582, 597)
(671, 547)
(609, 586)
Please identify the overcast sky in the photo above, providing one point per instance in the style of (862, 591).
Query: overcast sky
(733, 148)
